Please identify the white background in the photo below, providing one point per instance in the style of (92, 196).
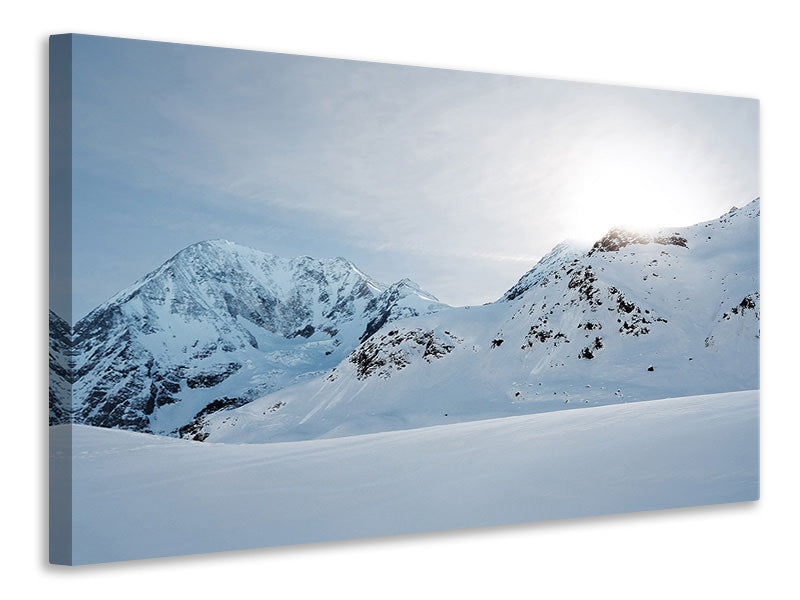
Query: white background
(732, 48)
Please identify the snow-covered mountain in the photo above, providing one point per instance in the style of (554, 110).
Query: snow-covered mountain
(60, 372)
(638, 316)
(219, 325)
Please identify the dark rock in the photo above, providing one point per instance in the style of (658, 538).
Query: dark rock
(213, 376)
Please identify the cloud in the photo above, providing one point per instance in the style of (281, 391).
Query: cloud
(385, 164)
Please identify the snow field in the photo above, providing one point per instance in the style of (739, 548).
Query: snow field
(138, 495)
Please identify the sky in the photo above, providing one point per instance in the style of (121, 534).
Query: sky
(460, 181)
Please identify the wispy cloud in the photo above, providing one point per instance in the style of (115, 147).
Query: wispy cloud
(394, 167)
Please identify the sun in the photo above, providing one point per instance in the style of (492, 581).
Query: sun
(640, 192)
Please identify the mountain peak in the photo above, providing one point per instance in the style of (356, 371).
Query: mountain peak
(617, 238)
(561, 254)
(219, 324)
(620, 237)
(414, 288)
(216, 246)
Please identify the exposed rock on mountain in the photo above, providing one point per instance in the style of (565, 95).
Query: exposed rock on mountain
(60, 372)
(618, 238)
(549, 266)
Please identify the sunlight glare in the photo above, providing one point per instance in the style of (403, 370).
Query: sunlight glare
(635, 192)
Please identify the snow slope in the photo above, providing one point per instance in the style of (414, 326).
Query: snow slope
(639, 316)
(138, 495)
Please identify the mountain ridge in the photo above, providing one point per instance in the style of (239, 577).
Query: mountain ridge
(667, 314)
(221, 334)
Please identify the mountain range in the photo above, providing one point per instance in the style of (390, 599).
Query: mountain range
(219, 325)
(226, 343)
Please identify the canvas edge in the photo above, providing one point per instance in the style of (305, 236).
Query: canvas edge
(60, 277)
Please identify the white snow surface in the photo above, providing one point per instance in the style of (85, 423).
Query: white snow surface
(138, 495)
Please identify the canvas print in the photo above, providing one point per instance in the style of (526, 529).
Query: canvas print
(299, 299)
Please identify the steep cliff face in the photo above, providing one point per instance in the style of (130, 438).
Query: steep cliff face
(60, 371)
(637, 316)
(220, 325)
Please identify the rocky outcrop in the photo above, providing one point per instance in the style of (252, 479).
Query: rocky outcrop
(60, 371)
(618, 238)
